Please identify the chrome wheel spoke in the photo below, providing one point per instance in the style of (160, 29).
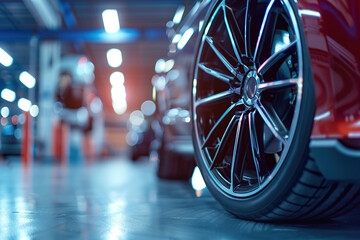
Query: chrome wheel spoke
(268, 20)
(275, 61)
(239, 154)
(215, 73)
(250, 13)
(222, 55)
(224, 143)
(234, 32)
(218, 126)
(272, 120)
(260, 166)
(278, 84)
(211, 100)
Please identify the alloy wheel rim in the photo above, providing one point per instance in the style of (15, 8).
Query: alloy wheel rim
(241, 132)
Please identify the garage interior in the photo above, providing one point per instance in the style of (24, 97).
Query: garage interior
(51, 185)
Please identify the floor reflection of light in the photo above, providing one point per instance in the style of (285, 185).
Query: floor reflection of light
(21, 218)
(116, 215)
(197, 182)
(4, 218)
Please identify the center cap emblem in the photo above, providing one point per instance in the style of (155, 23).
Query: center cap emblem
(250, 87)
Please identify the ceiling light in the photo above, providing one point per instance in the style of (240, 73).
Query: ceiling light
(185, 38)
(160, 65)
(5, 58)
(114, 57)
(24, 104)
(169, 64)
(117, 78)
(179, 14)
(28, 80)
(176, 38)
(8, 95)
(5, 111)
(34, 111)
(111, 20)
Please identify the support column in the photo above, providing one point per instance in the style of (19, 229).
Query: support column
(50, 54)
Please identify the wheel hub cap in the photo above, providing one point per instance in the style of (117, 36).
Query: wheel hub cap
(250, 87)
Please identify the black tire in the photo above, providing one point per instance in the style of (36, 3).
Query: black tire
(268, 174)
(174, 166)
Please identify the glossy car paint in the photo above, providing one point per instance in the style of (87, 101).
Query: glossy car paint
(332, 30)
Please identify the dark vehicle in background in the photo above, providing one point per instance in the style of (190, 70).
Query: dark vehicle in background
(275, 116)
(11, 134)
(173, 132)
(140, 135)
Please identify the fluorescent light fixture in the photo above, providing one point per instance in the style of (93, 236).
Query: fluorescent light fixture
(111, 20)
(169, 64)
(5, 111)
(34, 110)
(8, 95)
(114, 57)
(5, 58)
(160, 65)
(24, 104)
(28, 80)
(117, 79)
(118, 93)
(185, 38)
(179, 14)
(176, 38)
(120, 108)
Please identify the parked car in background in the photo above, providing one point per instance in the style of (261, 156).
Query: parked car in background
(275, 114)
(11, 133)
(171, 84)
(140, 134)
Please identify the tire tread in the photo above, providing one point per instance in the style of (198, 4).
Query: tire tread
(315, 198)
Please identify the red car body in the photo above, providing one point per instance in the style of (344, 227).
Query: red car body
(332, 30)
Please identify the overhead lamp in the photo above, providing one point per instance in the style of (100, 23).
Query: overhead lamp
(5, 112)
(160, 65)
(34, 110)
(185, 38)
(5, 58)
(28, 80)
(179, 14)
(176, 38)
(111, 20)
(169, 64)
(24, 104)
(114, 57)
(120, 108)
(117, 78)
(8, 95)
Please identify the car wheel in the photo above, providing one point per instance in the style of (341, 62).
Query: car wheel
(253, 107)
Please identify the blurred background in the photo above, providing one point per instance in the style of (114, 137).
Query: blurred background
(77, 74)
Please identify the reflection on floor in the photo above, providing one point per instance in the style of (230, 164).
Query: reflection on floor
(119, 199)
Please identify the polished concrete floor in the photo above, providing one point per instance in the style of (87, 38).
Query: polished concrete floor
(119, 199)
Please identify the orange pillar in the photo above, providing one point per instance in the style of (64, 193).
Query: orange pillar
(27, 141)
